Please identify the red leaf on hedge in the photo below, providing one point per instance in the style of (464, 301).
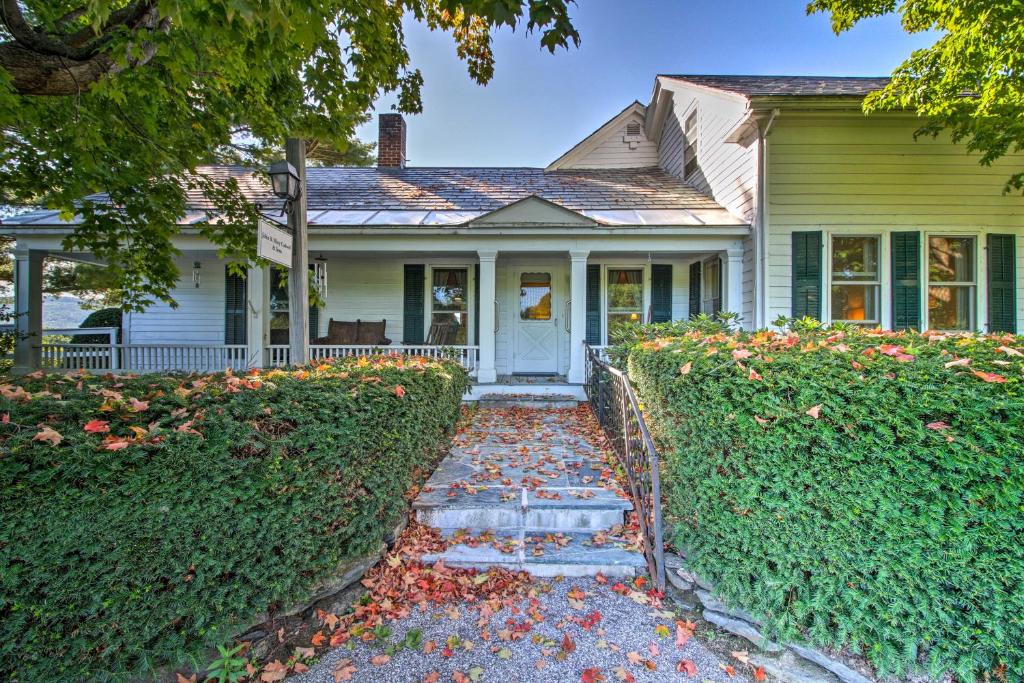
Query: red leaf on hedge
(97, 426)
(6, 419)
(760, 420)
(740, 354)
(115, 443)
(685, 370)
(399, 391)
(958, 361)
(754, 375)
(47, 435)
(687, 667)
(1010, 351)
(989, 376)
(137, 406)
(937, 425)
(814, 412)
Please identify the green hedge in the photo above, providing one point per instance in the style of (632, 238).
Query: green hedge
(126, 551)
(892, 522)
(104, 317)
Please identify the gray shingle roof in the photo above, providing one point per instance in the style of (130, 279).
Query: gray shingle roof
(478, 189)
(798, 86)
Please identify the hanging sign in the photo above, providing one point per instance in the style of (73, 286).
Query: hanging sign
(274, 244)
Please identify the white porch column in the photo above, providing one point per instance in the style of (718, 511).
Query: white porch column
(255, 315)
(28, 308)
(577, 314)
(733, 280)
(486, 372)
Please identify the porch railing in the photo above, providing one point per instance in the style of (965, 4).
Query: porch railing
(615, 404)
(467, 356)
(143, 357)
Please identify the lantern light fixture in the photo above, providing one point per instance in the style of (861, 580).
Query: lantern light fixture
(196, 265)
(284, 182)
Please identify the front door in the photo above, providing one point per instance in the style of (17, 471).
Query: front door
(537, 320)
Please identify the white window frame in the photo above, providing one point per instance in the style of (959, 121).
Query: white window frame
(623, 265)
(470, 297)
(979, 300)
(884, 281)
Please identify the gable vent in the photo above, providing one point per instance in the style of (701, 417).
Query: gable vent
(633, 129)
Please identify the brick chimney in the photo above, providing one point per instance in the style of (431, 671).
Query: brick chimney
(391, 141)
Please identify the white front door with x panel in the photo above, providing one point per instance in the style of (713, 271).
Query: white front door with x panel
(538, 319)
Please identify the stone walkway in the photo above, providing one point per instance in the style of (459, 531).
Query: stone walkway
(534, 490)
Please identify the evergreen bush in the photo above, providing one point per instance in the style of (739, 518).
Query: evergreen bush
(861, 489)
(146, 519)
(104, 317)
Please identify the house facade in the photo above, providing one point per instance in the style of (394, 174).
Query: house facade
(763, 196)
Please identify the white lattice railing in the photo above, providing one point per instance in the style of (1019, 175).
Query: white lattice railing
(144, 357)
(467, 356)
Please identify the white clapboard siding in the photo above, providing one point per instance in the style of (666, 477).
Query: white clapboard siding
(726, 171)
(199, 317)
(366, 289)
(853, 173)
(609, 150)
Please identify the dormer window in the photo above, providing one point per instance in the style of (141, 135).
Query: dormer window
(691, 133)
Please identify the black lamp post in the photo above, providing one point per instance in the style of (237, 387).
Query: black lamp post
(284, 181)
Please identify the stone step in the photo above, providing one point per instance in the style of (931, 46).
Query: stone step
(536, 401)
(543, 554)
(503, 508)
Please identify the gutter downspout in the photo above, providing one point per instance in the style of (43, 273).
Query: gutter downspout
(761, 219)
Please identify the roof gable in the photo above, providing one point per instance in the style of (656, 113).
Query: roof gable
(533, 211)
(621, 142)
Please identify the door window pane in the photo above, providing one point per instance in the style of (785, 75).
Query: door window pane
(449, 305)
(712, 287)
(535, 296)
(951, 283)
(278, 306)
(625, 298)
(856, 283)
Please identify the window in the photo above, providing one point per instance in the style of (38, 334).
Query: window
(535, 296)
(951, 283)
(856, 283)
(712, 303)
(625, 298)
(278, 306)
(690, 150)
(449, 304)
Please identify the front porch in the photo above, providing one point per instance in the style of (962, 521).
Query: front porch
(514, 317)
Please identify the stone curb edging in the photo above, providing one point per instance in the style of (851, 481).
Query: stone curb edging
(788, 662)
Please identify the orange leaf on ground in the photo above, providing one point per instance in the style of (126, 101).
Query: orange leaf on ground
(686, 666)
(759, 674)
(432, 677)
(623, 675)
(318, 639)
(568, 646)
(592, 675)
(343, 671)
(47, 435)
(380, 660)
(273, 672)
(989, 376)
(97, 426)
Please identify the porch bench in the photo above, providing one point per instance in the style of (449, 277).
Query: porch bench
(354, 332)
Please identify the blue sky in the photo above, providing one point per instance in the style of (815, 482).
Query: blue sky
(538, 104)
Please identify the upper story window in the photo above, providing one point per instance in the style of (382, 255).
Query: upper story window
(690, 132)
(952, 283)
(856, 283)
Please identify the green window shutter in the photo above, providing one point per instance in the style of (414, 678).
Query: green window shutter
(234, 308)
(1002, 283)
(476, 304)
(695, 273)
(906, 280)
(661, 293)
(413, 303)
(314, 323)
(807, 274)
(593, 304)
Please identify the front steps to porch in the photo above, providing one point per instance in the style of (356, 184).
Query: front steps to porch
(522, 489)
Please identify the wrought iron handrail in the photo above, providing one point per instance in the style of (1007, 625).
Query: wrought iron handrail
(615, 404)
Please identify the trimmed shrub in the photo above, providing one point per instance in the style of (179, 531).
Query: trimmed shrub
(858, 489)
(146, 519)
(104, 317)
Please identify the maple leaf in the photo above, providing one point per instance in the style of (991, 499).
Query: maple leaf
(623, 675)
(754, 375)
(937, 425)
(661, 630)
(273, 672)
(1009, 351)
(634, 657)
(958, 361)
(181, 679)
(601, 578)
(568, 646)
(432, 677)
(686, 666)
(343, 671)
(399, 391)
(759, 674)
(729, 669)
(685, 370)
(740, 354)
(989, 376)
(97, 426)
(429, 647)
(814, 412)
(592, 675)
(48, 435)
(304, 652)
(683, 633)
(137, 406)
(380, 660)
